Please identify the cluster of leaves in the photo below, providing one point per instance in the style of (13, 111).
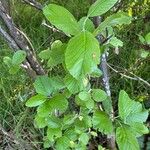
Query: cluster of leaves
(67, 106)
(15, 62)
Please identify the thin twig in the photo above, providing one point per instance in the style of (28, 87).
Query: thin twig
(21, 40)
(8, 135)
(50, 27)
(136, 78)
(12, 44)
(140, 79)
(103, 67)
(34, 3)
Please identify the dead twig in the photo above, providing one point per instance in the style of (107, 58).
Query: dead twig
(34, 3)
(136, 78)
(21, 41)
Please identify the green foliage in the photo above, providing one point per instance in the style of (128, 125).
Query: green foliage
(147, 38)
(131, 111)
(99, 95)
(125, 139)
(114, 20)
(43, 85)
(36, 100)
(82, 58)
(133, 115)
(18, 57)
(100, 7)
(14, 63)
(64, 21)
(116, 42)
(67, 105)
(102, 122)
(87, 24)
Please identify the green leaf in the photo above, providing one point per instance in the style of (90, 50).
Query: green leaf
(100, 7)
(126, 139)
(84, 95)
(87, 24)
(82, 54)
(47, 143)
(107, 105)
(8, 61)
(57, 83)
(81, 147)
(14, 69)
(102, 122)
(36, 100)
(116, 42)
(18, 57)
(59, 102)
(71, 134)
(141, 38)
(73, 85)
(45, 54)
(89, 104)
(80, 125)
(54, 122)
(69, 119)
(40, 122)
(84, 138)
(43, 85)
(63, 143)
(79, 102)
(96, 73)
(45, 109)
(137, 114)
(87, 121)
(138, 129)
(129, 110)
(56, 44)
(56, 54)
(100, 147)
(120, 18)
(147, 38)
(61, 18)
(144, 53)
(99, 95)
(53, 132)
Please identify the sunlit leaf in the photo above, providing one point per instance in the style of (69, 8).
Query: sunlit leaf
(82, 54)
(99, 95)
(36, 100)
(100, 7)
(84, 138)
(138, 129)
(120, 18)
(129, 110)
(126, 140)
(61, 18)
(43, 85)
(18, 57)
(87, 24)
(63, 143)
(147, 38)
(102, 122)
(40, 122)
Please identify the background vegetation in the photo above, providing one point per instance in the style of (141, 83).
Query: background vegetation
(17, 119)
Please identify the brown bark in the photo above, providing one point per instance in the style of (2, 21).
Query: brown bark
(19, 39)
(111, 141)
(34, 3)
